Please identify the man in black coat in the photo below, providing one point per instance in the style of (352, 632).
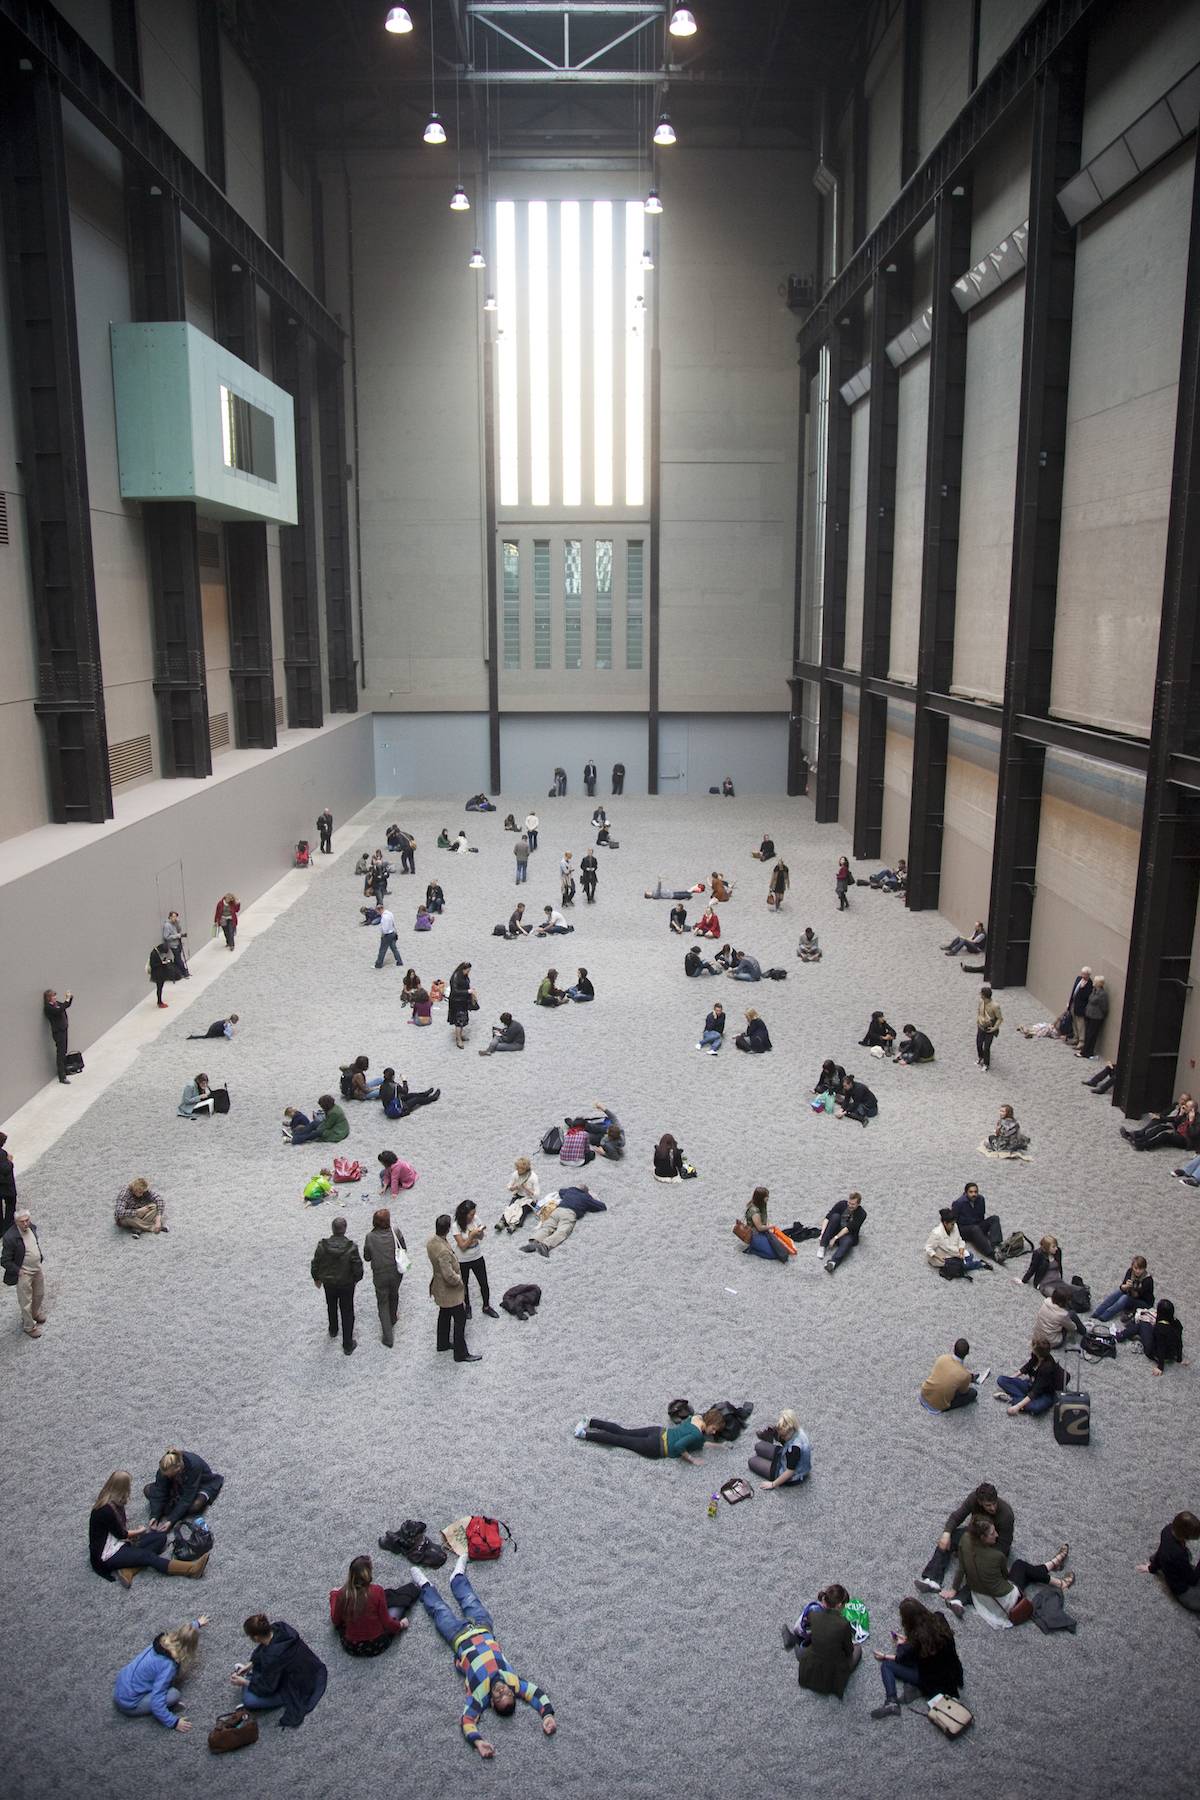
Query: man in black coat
(325, 831)
(618, 778)
(8, 1186)
(55, 1011)
(338, 1268)
(589, 778)
(587, 875)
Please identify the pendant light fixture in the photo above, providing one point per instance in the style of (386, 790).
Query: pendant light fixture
(477, 261)
(489, 304)
(652, 203)
(398, 21)
(435, 131)
(664, 131)
(458, 199)
(683, 22)
(647, 260)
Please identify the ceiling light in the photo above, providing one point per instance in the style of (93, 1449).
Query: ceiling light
(459, 201)
(489, 304)
(664, 131)
(477, 261)
(435, 131)
(647, 260)
(683, 22)
(653, 203)
(398, 20)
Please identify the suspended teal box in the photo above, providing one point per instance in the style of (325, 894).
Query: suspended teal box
(196, 423)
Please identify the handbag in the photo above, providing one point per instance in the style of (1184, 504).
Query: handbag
(1021, 1612)
(742, 1231)
(735, 1489)
(950, 1716)
(781, 1237)
(233, 1731)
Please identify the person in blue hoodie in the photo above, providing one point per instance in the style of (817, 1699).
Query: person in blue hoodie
(283, 1673)
(150, 1683)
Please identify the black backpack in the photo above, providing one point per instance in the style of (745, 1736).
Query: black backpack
(552, 1141)
(220, 1100)
(193, 1539)
(346, 1085)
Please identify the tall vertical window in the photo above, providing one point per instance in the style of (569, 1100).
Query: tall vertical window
(635, 370)
(604, 586)
(602, 351)
(635, 588)
(571, 297)
(509, 445)
(573, 604)
(538, 360)
(512, 605)
(541, 603)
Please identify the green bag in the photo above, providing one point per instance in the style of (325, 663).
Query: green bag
(859, 1620)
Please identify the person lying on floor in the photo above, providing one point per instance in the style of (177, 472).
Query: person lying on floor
(558, 1217)
(659, 892)
(656, 1441)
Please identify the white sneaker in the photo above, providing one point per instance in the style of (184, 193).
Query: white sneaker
(982, 1377)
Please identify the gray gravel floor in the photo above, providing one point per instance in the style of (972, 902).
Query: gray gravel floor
(654, 1628)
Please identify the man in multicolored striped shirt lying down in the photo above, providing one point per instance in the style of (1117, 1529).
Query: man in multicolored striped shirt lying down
(488, 1679)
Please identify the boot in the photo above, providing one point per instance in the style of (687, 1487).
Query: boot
(126, 1575)
(194, 1568)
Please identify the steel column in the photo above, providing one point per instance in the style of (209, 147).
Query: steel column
(843, 361)
(127, 55)
(1158, 979)
(212, 96)
(939, 556)
(235, 307)
(910, 89)
(272, 168)
(795, 784)
(889, 313)
(335, 515)
(655, 543)
(1041, 454)
(491, 574)
(292, 368)
(49, 399)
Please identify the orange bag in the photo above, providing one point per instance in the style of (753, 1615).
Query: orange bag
(781, 1237)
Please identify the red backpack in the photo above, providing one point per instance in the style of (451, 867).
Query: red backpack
(346, 1170)
(484, 1542)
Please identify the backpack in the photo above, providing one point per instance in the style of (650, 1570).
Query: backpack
(1096, 1345)
(1013, 1245)
(484, 1542)
(952, 1269)
(233, 1731)
(346, 1085)
(193, 1539)
(499, 931)
(346, 1170)
(775, 974)
(552, 1141)
(220, 1099)
(392, 1108)
(950, 1716)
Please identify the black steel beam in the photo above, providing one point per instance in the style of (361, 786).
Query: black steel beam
(235, 307)
(858, 162)
(655, 586)
(939, 554)
(910, 88)
(335, 518)
(843, 362)
(1159, 974)
(292, 368)
(212, 94)
(796, 778)
(1037, 519)
(1081, 740)
(34, 29)
(1005, 84)
(890, 296)
(49, 401)
(272, 167)
(491, 574)
(127, 52)
(250, 673)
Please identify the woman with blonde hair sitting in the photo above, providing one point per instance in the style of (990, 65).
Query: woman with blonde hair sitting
(526, 1191)
(116, 1550)
(783, 1454)
(150, 1683)
(138, 1208)
(365, 1616)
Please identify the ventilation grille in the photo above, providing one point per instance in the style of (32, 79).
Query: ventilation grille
(130, 760)
(279, 709)
(3, 518)
(218, 731)
(208, 549)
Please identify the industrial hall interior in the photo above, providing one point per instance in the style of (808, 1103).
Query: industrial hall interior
(720, 482)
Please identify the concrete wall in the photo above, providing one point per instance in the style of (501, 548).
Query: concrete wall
(970, 820)
(198, 839)
(697, 752)
(860, 426)
(908, 543)
(897, 784)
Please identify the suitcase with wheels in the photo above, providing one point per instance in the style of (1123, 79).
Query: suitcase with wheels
(1073, 1415)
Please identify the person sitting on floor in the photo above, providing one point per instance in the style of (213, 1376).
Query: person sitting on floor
(196, 1100)
(976, 942)
(680, 1439)
(668, 1159)
(766, 850)
(445, 841)
(435, 899)
(138, 1208)
(840, 1231)
(1007, 1138)
(423, 920)
(1178, 1127)
(830, 1079)
(1036, 1384)
(576, 1144)
(282, 1672)
(694, 963)
(724, 957)
(755, 1039)
(150, 1683)
(830, 1655)
(370, 914)
(365, 1616)
(744, 967)
(756, 1234)
(1172, 1560)
(945, 1246)
(395, 1175)
(1102, 1081)
(553, 924)
(1135, 1293)
(398, 1099)
(950, 1384)
(298, 1128)
(420, 1008)
(720, 888)
(678, 918)
(583, 989)
(606, 1133)
(510, 824)
(983, 1500)
(879, 1034)
(516, 923)
(509, 1034)
(994, 1583)
(855, 1101)
(355, 1082)
(1056, 1320)
(975, 1225)
(1161, 1339)
(334, 1127)
(890, 881)
(1045, 1270)
(526, 1190)
(117, 1550)
(925, 1657)
(914, 1046)
(549, 993)
(809, 948)
(783, 1454)
(707, 925)
(712, 1037)
(184, 1487)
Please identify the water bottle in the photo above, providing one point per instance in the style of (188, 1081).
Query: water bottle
(712, 1506)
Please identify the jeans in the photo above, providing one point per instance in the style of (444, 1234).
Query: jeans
(892, 1673)
(533, 837)
(1017, 1386)
(711, 1040)
(387, 941)
(339, 1300)
(498, 1044)
(408, 860)
(1192, 1168)
(740, 974)
(143, 1708)
(261, 1702)
(841, 1250)
(643, 1440)
(448, 1624)
(1113, 1304)
(453, 1320)
(574, 994)
(146, 1552)
(983, 1047)
(560, 786)
(522, 872)
(763, 1244)
(387, 1296)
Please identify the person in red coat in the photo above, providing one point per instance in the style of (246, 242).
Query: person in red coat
(366, 1616)
(708, 926)
(226, 916)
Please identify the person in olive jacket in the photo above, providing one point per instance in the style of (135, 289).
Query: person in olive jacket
(338, 1267)
(832, 1655)
(448, 1291)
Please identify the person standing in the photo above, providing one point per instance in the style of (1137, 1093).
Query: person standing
(325, 830)
(589, 778)
(337, 1267)
(387, 938)
(560, 783)
(566, 877)
(1094, 1015)
(55, 1013)
(8, 1186)
(448, 1291)
(162, 969)
(842, 882)
(1081, 993)
(226, 917)
(379, 1249)
(173, 934)
(618, 778)
(988, 1020)
(531, 829)
(468, 1242)
(21, 1259)
(408, 853)
(521, 852)
(587, 876)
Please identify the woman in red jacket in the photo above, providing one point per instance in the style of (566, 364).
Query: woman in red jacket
(709, 925)
(366, 1616)
(226, 916)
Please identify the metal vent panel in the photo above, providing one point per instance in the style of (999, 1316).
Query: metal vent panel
(130, 760)
(218, 731)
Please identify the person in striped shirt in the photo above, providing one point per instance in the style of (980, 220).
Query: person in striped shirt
(487, 1675)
